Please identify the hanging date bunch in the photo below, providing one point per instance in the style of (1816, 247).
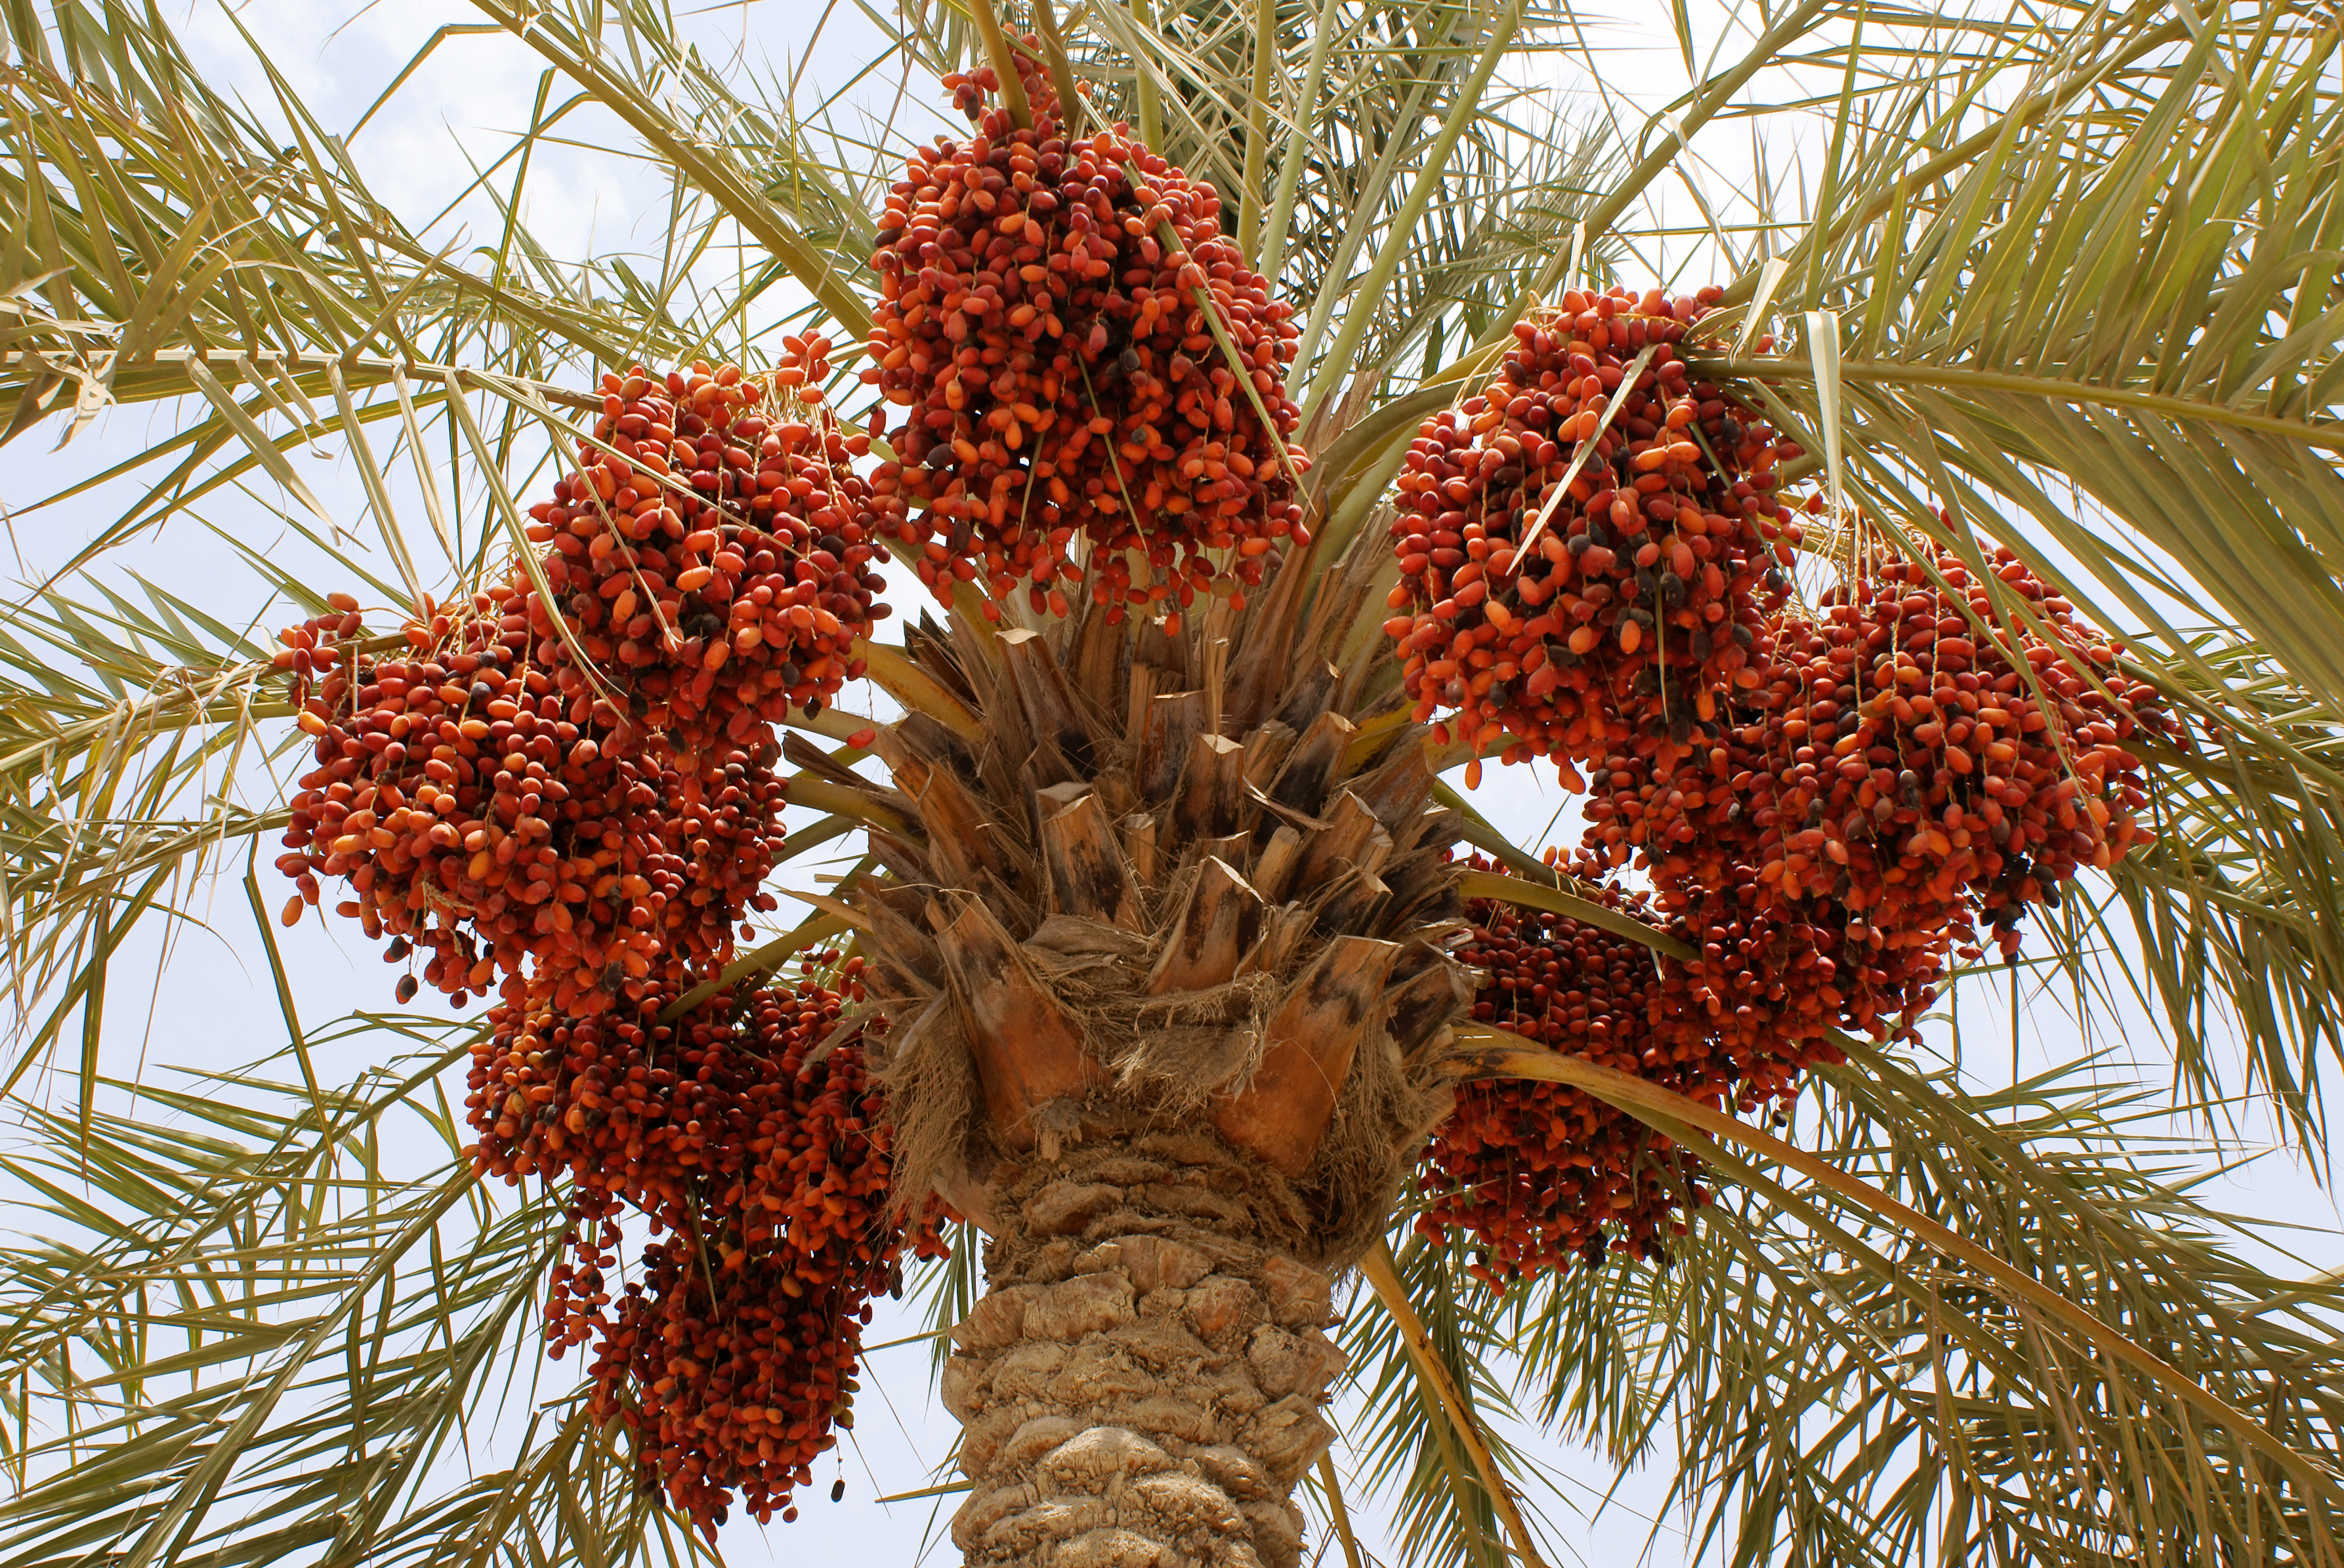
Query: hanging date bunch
(1771, 976)
(727, 1103)
(1766, 980)
(2007, 719)
(1543, 615)
(753, 1135)
(497, 829)
(1046, 320)
(1540, 1173)
(1923, 760)
(1544, 1174)
(783, 1353)
(715, 549)
(562, 791)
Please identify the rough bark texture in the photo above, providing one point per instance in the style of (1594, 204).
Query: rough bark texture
(1140, 1387)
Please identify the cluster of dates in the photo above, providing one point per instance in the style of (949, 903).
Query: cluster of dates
(561, 793)
(1082, 359)
(1594, 534)
(750, 1132)
(1832, 804)
(714, 548)
(502, 834)
(1541, 1174)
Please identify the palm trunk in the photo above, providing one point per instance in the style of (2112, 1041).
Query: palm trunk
(1140, 1386)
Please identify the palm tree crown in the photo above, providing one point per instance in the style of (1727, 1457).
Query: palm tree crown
(1259, 416)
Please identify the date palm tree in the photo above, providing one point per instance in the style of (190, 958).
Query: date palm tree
(1162, 913)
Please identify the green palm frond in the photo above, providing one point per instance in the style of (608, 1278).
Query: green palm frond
(154, 220)
(1839, 1388)
(126, 730)
(268, 282)
(2234, 907)
(809, 214)
(251, 1337)
(2098, 330)
(1406, 1440)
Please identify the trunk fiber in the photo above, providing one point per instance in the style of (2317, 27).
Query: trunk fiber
(1140, 1385)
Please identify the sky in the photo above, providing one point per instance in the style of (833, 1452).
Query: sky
(212, 1004)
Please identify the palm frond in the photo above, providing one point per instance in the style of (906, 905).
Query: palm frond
(2234, 907)
(2097, 330)
(248, 1336)
(127, 728)
(814, 220)
(1408, 1443)
(197, 239)
(1848, 1384)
